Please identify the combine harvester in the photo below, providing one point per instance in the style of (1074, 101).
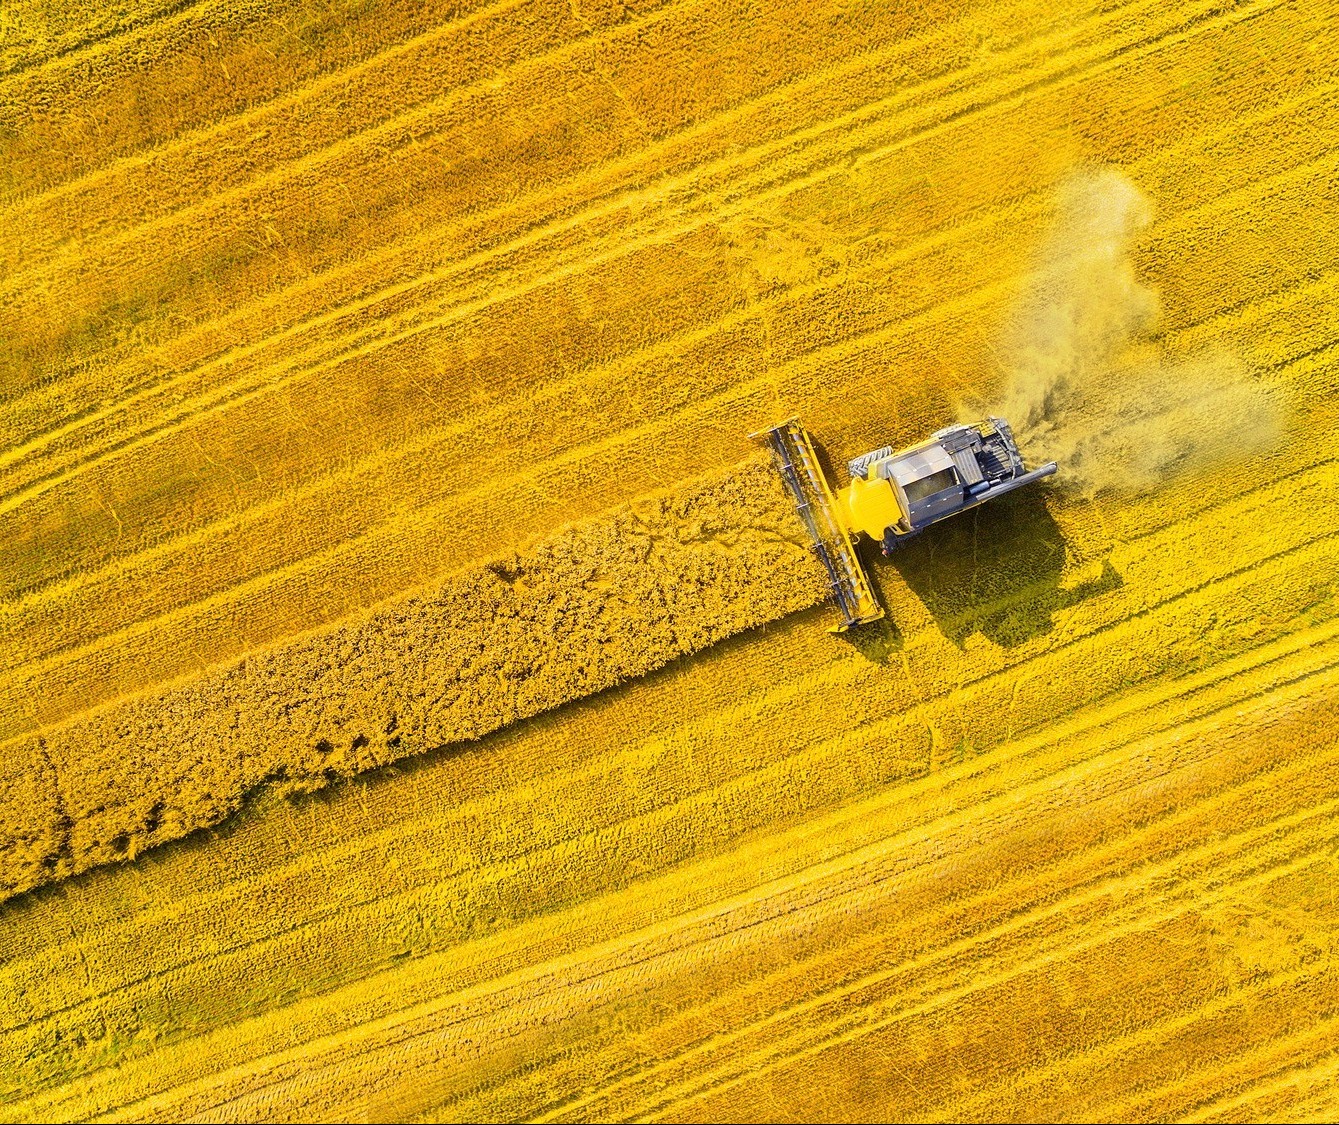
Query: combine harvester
(893, 496)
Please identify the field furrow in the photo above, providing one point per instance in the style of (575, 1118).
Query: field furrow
(870, 73)
(108, 97)
(854, 881)
(1302, 1094)
(37, 34)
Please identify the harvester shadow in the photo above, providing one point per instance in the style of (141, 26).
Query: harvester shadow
(996, 571)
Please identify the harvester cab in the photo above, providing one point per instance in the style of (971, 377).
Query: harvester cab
(893, 496)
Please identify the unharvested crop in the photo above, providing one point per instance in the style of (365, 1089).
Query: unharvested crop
(576, 613)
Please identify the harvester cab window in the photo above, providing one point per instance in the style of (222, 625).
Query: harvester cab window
(918, 490)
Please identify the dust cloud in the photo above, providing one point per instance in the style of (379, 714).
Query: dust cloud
(1089, 384)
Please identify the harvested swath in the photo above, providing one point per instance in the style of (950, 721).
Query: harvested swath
(917, 909)
(594, 604)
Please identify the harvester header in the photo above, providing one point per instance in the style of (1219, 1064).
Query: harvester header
(893, 496)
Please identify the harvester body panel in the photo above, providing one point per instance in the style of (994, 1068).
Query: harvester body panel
(872, 505)
(893, 495)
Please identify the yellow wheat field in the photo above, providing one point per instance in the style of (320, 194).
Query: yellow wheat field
(415, 697)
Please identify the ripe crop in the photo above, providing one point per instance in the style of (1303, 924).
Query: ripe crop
(415, 695)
